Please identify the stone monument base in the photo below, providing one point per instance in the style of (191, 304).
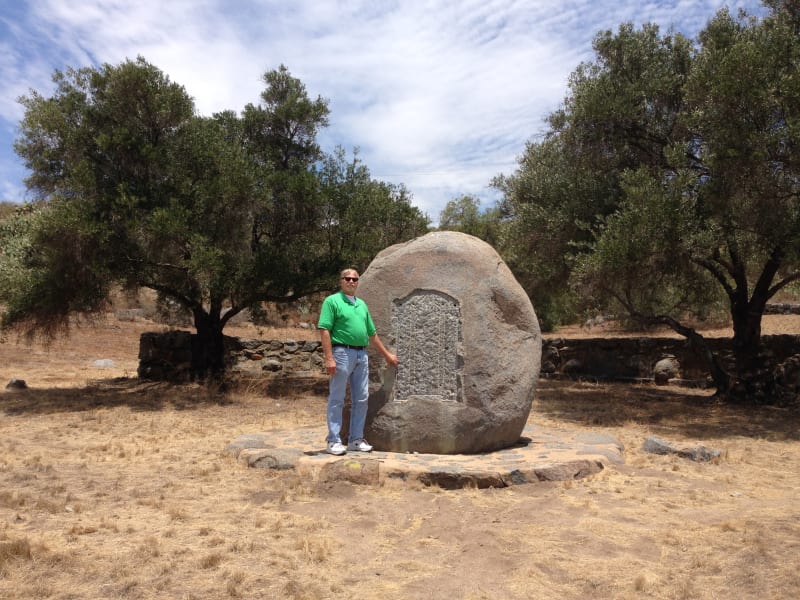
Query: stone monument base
(542, 454)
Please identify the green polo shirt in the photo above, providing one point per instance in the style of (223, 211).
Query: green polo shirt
(348, 323)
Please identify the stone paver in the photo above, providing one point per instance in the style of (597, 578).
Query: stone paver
(543, 454)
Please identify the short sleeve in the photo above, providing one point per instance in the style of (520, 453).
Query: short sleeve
(326, 315)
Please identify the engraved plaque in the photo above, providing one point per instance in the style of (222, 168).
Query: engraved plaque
(427, 328)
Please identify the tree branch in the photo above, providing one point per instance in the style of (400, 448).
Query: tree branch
(716, 273)
(159, 265)
(168, 291)
(761, 291)
(791, 278)
(696, 340)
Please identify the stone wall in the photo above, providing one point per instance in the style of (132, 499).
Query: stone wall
(636, 358)
(782, 308)
(167, 356)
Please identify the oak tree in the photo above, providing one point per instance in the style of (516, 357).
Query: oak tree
(670, 180)
(216, 214)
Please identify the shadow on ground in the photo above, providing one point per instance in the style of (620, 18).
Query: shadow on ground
(111, 393)
(664, 410)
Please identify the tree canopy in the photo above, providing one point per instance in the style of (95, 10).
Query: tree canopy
(464, 214)
(217, 214)
(667, 184)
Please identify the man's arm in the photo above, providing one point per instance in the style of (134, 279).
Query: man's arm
(390, 358)
(327, 351)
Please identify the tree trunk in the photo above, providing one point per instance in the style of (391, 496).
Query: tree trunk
(754, 380)
(720, 377)
(746, 334)
(208, 347)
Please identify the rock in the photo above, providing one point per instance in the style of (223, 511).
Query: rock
(17, 384)
(572, 367)
(468, 341)
(551, 359)
(270, 458)
(364, 471)
(454, 479)
(103, 363)
(551, 354)
(574, 469)
(655, 445)
(271, 365)
(249, 344)
(548, 367)
(665, 369)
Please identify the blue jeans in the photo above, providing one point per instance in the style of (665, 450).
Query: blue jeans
(352, 366)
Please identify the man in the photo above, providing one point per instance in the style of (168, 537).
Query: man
(346, 328)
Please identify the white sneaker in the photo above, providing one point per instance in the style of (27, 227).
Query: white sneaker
(336, 448)
(359, 446)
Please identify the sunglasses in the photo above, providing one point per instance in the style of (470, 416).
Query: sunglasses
(350, 278)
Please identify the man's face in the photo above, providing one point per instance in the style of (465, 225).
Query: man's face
(349, 282)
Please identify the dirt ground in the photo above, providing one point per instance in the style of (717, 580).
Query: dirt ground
(114, 488)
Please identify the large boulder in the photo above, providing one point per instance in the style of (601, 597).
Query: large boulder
(468, 342)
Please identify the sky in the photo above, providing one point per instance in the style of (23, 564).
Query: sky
(440, 96)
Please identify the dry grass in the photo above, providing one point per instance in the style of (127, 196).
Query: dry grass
(111, 488)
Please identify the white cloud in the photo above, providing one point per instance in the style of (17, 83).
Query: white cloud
(438, 95)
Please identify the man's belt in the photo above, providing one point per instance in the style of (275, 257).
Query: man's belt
(348, 346)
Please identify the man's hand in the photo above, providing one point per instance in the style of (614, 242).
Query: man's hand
(327, 351)
(330, 366)
(390, 358)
